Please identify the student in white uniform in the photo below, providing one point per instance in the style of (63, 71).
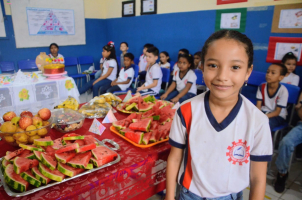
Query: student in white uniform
(290, 62)
(272, 96)
(164, 60)
(109, 72)
(154, 75)
(57, 58)
(124, 48)
(183, 86)
(126, 75)
(175, 67)
(220, 142)
(143, 62)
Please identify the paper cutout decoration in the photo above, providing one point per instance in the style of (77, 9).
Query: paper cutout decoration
(176, 106)
(128, 96)
(97, 127)
(110, 118)
(22, 78)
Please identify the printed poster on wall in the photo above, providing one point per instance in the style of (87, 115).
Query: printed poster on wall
(220, 2)
(46, 21)
(232, 19)
(284, 48)
(290, 18)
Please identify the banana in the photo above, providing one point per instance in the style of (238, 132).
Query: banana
(70, 102)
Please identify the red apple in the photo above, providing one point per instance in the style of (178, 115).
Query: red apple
(26, 113)
(25, 121)
(44, 114)
(9, 116)
(37, 121)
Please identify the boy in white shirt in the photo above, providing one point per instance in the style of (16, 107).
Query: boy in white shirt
(143, 62)
(153, 76)
(272, 96)
(126, 75)
(124, 48)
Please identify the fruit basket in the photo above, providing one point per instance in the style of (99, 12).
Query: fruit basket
(66, 120)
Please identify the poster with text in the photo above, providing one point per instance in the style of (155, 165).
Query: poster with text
(284, 48)
(128, 9)
(148, 6)
(46, 21)
(231, 19)
(290, 18)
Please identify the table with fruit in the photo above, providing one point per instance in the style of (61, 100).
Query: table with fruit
(139, 174)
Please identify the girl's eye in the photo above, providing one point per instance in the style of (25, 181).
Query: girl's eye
(212, 65)
(236, 67)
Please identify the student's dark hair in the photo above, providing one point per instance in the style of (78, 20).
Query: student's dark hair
(110, 47)
(166, 54)
(129, 55)
(230, 34)
(148, 45)
(198, 53)
(283, 69)
(124, 43)
(186, 51)
(289, 56)
(53, 44)
(189, 58)
(153, 50)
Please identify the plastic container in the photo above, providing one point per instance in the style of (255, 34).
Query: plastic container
(66, 120)
(93, 110)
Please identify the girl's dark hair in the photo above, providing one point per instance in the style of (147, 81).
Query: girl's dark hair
(166, 54)
(230, 34)
(189, 58)
(147, 46)
(110, 47)
(283, 70)
(186, 51)
(53, 44)
(289, 56)
(129, 55)
(198, 53)
(153, 50)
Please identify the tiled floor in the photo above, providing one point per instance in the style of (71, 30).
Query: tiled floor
(293, 185)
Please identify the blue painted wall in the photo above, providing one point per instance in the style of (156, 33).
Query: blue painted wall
(95, 40)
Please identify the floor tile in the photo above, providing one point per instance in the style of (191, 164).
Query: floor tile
(293, 193)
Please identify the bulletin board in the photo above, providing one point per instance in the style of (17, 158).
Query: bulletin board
(287, 19)
(39, 23)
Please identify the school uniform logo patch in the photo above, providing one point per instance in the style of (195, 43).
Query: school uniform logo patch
(150, 74)
(238, 153)
(126, 76)
(186, 81)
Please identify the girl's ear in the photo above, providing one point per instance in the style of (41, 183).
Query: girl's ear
(249, 72)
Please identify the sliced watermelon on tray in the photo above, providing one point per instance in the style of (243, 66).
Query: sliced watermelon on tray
(102, 155)
(13, 154)
(57, 143)
(147, 137)
(29, 177)
(65, 156)
(68, 170)
(24, 164)
(68, 147)
(142, 125)
(136, 136)
(81, 160)
(55, 175)
(86, 147)
(43, 179)
(15, 180)
(49, 161)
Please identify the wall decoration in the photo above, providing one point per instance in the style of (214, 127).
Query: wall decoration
(148, 7)
(220, 2)
(128, 8)
(233, 19)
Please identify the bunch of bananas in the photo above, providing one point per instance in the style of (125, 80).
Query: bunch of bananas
(111, 99)
(70, 102)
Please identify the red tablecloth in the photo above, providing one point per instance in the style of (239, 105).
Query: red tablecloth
(139, 175)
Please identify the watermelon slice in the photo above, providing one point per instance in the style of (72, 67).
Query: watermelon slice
(154, 125)
(143, 125)
(43, 179)
(154, 136)
(146, 138)
(25, 154)
(103, 155)
(11, 155)
(29, 177)
(69, 171)
(89, 166)
(74, 138)
(165, 129)
(30, 156)
(132, 116)
(4, 164)
(30, 147)
(147, 114)
(38, 155)
(143, 107)
(65, 142)
(134, 99)
(48, 161)
(57, 143)
(68, 147)
(136, 137)
(15, 180)
(86, 148)
(119, 124)
(24, 164)
(123, 131)
(51, 174)
(65, 156)
(89, 139)
(81, 160)
(164, 118)
(131, 106)
(80, 142)
(50, 151)
(43, 142)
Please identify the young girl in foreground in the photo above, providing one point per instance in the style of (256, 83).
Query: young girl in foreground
(109, 72)
(221, 142)
(183, 86)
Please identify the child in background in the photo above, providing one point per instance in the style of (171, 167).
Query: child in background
(183, 86)
(99, 72)
(197, 60)
(109, 72)
(181, 51)
(290, 62)
(124, 48)
(220, 142)
(126, 75)
(54, 49)
(164, 60)
(154, 74)
(143, 62)
(272, 96)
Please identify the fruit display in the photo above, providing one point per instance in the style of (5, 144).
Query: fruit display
(145, 129)
(67, 120)
(53, 163)
(70, 103)
(24, 129)
(110, 98)
(138, 104)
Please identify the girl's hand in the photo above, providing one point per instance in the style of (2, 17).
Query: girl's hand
(95, 82)
(140, 89)
(137, 94)
(163, 97)
(175, 100)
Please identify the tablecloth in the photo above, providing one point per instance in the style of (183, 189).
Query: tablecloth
(139, 175)
(33, 95)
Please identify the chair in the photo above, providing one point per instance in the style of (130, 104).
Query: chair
(136, 61)
(254, 81)
(72, 68)
(27, 65)
(118, 60)
(83, 62)
(172, 63)
(6, 66)
(256, 78)
(199, 75)
(166, 77)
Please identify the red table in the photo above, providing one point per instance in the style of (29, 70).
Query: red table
(139, 175)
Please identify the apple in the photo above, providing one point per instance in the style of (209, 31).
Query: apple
(25, 121)
(26, 113)
(44, 114)
(9, 116)
(37, 121)
(16, 120)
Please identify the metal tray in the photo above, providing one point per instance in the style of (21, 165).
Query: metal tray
(12, 193)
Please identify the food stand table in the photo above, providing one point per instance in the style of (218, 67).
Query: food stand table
(139, 175)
